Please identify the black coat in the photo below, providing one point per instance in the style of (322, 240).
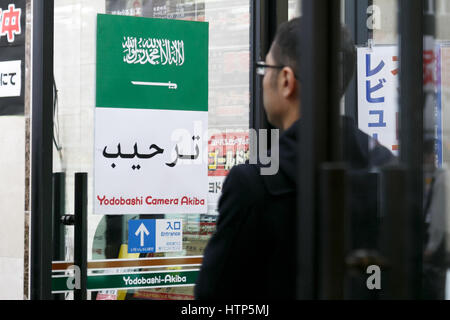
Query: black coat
(251, 254)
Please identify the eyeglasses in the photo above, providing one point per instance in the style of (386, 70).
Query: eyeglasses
(261, 68)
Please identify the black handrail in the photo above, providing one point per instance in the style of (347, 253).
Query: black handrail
(80, 255)
(319, 134)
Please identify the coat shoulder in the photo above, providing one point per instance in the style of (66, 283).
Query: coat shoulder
(245, 183)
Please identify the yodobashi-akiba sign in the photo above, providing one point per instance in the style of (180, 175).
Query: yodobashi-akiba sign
(12, 53)
(151, 116)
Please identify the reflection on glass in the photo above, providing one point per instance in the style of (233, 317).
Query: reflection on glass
(382, 26)
(435, 152)
(434, 256)
(436, 146)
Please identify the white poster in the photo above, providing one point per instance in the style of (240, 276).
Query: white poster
(148, 161)
(378, 85)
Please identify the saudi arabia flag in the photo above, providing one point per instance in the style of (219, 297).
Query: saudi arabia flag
(151, 116)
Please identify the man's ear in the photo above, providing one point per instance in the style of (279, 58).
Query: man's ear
(288, 82)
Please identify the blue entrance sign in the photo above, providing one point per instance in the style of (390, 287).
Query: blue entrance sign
(148, 236)
(141, 236)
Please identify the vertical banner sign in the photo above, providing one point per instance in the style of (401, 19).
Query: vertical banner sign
(151, 115)
(443, 90)
(432, 109)
(378, 85)
(12, 57)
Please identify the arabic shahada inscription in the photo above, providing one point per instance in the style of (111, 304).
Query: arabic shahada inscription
(153, 51)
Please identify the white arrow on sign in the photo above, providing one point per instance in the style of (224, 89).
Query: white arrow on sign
(142, 230)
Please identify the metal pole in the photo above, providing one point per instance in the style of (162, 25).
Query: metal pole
(319, 133)
(411, 131)
(41, 150)
(80, 254)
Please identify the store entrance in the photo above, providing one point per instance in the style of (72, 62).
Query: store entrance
(132, 96)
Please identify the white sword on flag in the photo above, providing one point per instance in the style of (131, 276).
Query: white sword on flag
(172, 86)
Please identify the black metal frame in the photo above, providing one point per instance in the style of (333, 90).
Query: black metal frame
(356, 22)
(411, 29)
(41, 150)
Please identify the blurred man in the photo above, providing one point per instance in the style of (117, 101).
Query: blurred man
(251, 254)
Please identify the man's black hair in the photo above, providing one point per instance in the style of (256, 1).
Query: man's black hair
(286, 50)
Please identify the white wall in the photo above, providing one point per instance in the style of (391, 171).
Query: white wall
(12, 199)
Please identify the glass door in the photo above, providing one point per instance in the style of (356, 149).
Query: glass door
(374, 225)
(372, 195)
(119, 266)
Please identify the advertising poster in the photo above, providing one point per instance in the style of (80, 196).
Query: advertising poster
(378, 84)
(225, 150)
(12, 57)
(151, 113)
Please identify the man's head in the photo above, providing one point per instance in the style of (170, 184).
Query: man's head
(282, 81)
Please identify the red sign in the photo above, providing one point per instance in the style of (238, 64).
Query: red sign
(227, 150)
(10, 22)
